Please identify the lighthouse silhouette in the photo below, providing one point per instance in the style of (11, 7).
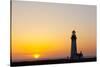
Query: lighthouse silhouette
(74, 54)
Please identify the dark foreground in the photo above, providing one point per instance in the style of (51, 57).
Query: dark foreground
(41, 62)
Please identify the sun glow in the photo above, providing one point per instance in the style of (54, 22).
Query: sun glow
(36, 56)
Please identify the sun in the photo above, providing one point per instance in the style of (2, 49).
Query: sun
(36, 56)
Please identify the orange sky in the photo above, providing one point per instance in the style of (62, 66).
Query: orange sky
(45, 29)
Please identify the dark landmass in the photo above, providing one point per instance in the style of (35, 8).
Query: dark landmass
(56, 61)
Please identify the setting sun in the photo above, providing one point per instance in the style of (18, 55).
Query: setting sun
(36, 56)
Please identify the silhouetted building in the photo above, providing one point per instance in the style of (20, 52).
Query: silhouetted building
(80, 55)
(74, 54)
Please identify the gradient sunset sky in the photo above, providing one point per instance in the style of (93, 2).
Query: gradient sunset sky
(45, 29)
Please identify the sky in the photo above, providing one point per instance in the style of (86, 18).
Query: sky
(43, 30)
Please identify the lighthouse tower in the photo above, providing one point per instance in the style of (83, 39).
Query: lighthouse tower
(73, 45)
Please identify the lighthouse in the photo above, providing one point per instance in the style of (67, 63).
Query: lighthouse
(74, 54)
(73, 45)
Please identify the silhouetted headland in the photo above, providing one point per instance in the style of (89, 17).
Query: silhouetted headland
(56, 61)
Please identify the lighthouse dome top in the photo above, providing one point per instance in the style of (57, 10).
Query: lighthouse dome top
(73, 32)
